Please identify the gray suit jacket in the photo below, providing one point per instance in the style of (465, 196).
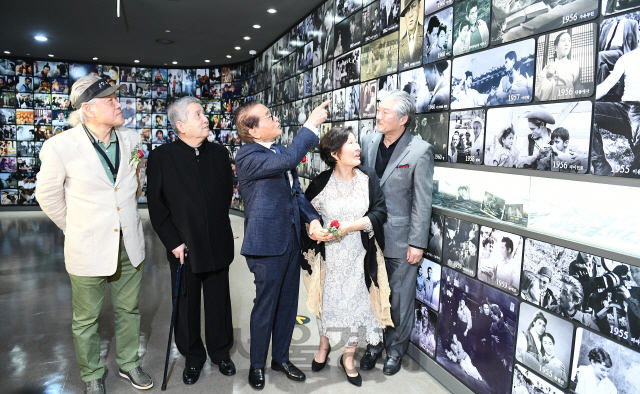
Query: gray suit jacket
(407, 184)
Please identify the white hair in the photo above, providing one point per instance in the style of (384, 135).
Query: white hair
(77, 116)
(178, 111)
(404, 105)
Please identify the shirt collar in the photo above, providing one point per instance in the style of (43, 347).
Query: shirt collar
(112, 138)
(265, 144)
(393, 145)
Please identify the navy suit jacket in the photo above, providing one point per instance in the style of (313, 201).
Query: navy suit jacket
(271, 205)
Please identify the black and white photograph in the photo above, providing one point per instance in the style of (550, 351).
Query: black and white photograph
(431, 6)
(7, 116)
(367, 126)
(526, 382)
(428, 283)
(423, 334)
(433, 128)
(615, 6)
(603, 366)
(328, 97)
(438, 36)
(512, 21)
(493, 205)
(317, 80)
(436, 236)
(499, 76)
(338, 103)
(476, 333)
(460, 246)
(471, 27)
(513, 213)
(598, 293)
(143, 75)
(547, 137)
(346, 69)
(352, 108)
(371, 22)
(564, 64)
(544, 344)
(368, 93)
(7, 67)
(380, 57)
(411, 30)
(414, 82)
(324, 35)
(386, 85)
(615, 147)
(500, 258)
(348, 34)
(327, 77)
(40, 100)
(466, 137)
(389, 15)
(437, 77)
(344, 8)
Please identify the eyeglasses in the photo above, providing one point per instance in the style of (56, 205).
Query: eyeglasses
(270, 116)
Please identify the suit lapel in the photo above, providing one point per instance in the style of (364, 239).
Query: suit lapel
(398, 154)
(372, 152)
(87, 152)
(125, 155)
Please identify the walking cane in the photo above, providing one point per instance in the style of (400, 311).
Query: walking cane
(173, 319)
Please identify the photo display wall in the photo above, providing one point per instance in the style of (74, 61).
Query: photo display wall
(505, 314)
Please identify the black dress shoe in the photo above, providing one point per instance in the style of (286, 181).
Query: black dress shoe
(316, 366)
(256, 377)
(289, 369)
(190, 375)
(392, 365)
(368, 360)
(354, 380)
(226, 367)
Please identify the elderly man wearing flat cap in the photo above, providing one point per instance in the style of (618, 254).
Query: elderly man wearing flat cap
(88, 185)
(535, 152)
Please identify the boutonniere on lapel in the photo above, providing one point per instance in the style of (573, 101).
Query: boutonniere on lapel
(304, 160)
(136, 155)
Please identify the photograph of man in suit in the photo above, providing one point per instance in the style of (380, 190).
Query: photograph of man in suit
(98, 213)
(389, 15)
(275, 211)
(410, 33)
(193, 169)
(618, 36)
(404, 165)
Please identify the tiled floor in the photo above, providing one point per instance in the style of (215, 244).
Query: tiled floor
(36, 346)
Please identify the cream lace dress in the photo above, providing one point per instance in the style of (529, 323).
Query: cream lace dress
(347, 314)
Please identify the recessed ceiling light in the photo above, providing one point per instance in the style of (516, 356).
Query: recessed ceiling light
(237, 48)
(167, 31)
(174, 62)
(271, 11)
(247, 38)
(50, 55)
(207, 61)
(136, 61)
(40, 38)
(7, 52)
(95, 58)
(229, 56)
(256, 26)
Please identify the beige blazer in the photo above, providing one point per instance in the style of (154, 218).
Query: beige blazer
(74, 191)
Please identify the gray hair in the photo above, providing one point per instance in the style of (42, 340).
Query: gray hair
(404, 105)
(78, 116)
(178, 110)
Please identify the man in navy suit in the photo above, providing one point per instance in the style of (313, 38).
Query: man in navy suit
(274, 207)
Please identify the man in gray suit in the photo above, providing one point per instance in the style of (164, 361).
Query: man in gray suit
(404, 165)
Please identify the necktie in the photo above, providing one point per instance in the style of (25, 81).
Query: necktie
(612, 36)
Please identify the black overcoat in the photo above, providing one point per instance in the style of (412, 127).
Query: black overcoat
(189, 198)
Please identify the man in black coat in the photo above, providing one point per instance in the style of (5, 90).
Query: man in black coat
(190, 187)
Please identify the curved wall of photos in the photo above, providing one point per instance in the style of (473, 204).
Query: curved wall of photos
(508, 93)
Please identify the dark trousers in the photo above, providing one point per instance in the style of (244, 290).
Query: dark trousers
(277, 279)
(217, 314)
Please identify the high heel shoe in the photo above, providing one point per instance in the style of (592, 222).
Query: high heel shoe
(354, 380)
(316, 366)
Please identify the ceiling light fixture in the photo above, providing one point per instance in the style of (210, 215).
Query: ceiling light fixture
(167, 31)
(271, 11)
(7, 52)
(207, 61)
(237, 48)
(256, 26)
(50, 55)
(247, 37)
(95, 58)
(174, 62)
(229, 56)
(136, 61)
(40, 38)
